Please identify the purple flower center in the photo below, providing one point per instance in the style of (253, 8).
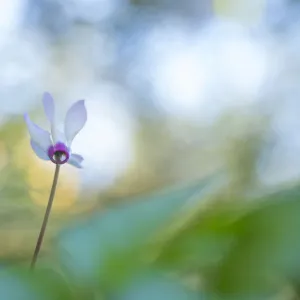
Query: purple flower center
(59, 153)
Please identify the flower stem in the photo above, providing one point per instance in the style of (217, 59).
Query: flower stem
(46, 217)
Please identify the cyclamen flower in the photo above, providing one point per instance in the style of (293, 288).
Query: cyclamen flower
(55, 145)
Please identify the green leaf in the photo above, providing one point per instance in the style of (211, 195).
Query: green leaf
(23, 284)
(265, 256)
(155, 286)
(109, 245)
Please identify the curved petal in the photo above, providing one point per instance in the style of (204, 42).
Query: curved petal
(40, 136)
(49, 107)
(75, 119)
(76, 160)
(38, 150)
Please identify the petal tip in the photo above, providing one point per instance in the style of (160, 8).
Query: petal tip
(46, 93)
(46, 96)
(76, 160)
(77, 166)
(26, 117)
(81, 102)
(75, 120)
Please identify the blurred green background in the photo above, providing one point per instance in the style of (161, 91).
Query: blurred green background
(190, 187)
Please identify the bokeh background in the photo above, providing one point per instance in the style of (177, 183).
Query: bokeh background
(190, 183)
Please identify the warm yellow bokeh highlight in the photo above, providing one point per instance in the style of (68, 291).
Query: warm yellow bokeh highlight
(243, 11)
(3, 155)
(40, 175)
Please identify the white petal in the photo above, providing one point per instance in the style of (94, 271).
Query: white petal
(75, 120)
(39, 151)
(49, 107)
(76, 160)
(40, 136)
(58, 136)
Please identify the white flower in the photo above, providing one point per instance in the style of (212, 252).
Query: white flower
(56, 146)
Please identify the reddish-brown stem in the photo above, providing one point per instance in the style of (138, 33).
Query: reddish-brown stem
(46, 217)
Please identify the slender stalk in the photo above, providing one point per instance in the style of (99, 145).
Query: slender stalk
(46, 217)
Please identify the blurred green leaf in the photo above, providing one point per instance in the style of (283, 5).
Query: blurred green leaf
(265, 256)
(201, 244)
(111, 243)
(155, 286)
(241, 249)
(23, 284)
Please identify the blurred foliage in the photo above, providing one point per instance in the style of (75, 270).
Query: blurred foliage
(208, 237)
(215, 233)
(201, 239)
(245, 250)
